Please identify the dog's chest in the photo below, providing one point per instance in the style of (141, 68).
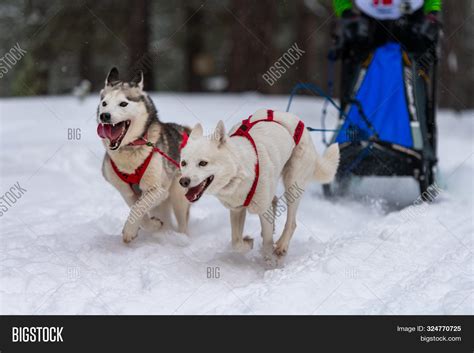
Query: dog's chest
(127, 161)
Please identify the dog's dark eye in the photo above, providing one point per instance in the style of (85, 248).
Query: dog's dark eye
(183, 163)
(123, 104)
(202, 163)
(104, 103)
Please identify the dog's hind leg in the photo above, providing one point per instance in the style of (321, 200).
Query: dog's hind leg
(268, 227)
(295, 179)
(267, 222)
(151, 223)
(274, 209)
(163, 213)
(180, 206)
(281, 246)
(237, 221)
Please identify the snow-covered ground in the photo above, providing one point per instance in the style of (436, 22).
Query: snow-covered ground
(61, 250)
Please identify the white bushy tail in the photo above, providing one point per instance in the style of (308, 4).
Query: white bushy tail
(326, 166)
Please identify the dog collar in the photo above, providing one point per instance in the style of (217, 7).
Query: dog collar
(143, 141)
(135, 177)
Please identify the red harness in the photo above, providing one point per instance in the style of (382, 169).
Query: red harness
(137, 175)
(244, 131)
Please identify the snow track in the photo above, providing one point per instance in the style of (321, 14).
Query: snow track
(61, 250)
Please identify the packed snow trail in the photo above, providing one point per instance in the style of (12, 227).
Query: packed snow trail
(61, 250)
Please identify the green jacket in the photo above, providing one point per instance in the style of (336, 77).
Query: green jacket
(341, 5)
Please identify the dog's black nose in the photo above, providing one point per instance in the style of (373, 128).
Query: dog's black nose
(184, 182)
(105, 117)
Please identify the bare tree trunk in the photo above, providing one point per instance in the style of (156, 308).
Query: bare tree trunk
(85, 56)
(252, 52)
(138, 39)
(455, 86)
(193, 45)
(305, 25)
(37, 80)
(313, 35)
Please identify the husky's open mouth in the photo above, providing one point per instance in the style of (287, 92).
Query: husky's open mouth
(193, 194)
(114, 132)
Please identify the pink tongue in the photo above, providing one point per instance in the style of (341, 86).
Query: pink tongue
(192, 192)
(107, 131)
(100, 131)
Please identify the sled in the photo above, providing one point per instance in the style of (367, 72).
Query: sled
(397, 136)
(387, 123)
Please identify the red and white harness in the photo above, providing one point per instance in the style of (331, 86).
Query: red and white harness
(244, 131)
(136, 176)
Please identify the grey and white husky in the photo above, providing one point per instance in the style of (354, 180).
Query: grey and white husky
(132, 133)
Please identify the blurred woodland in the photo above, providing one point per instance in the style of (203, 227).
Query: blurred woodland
(196, 46)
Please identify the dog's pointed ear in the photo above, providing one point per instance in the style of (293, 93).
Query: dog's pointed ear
(112, 77)
(219, 133)
(138, 79)
(196, 132)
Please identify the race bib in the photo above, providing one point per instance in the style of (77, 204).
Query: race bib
(388, 9)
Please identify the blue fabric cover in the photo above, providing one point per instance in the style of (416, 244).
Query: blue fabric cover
(382, 95)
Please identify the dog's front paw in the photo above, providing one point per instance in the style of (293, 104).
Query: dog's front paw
(128, 234)
(152, 224)
(270, 259)
(243, 246)
(281, 249)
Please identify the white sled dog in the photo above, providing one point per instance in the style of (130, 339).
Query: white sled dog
(242, 170)
(142, 155)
